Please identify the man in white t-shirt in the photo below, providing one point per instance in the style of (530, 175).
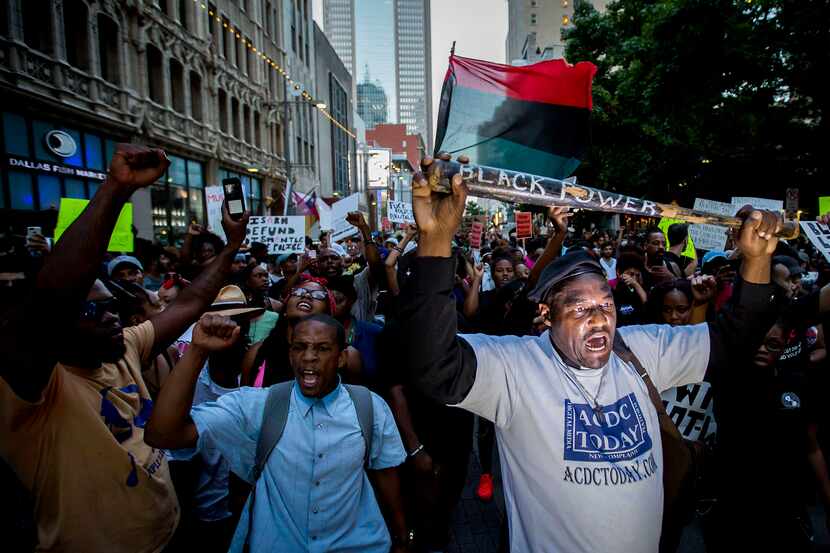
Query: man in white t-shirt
(608, 261)
(579, 439)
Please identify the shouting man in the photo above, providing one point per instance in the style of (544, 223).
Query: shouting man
(578, 435)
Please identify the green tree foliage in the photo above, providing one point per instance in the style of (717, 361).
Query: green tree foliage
(708, 98)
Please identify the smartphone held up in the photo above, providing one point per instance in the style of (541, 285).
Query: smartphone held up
(234, 197)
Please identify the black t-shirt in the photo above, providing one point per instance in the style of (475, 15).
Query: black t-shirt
(630, 308)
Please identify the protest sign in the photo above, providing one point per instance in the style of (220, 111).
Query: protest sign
(400, 212)
(386, 224)
(214, 197)
(716, 208)
(340, 227)
(524, 224)
(792, 201)
(824, 205)
(818, 235)
(758, 203)
(708, 237)
(122, 235)
(476, 230)
(692, 410)
(280, 234)
(324, 211)
(664, 225)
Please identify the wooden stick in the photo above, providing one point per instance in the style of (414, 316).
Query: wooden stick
(517, 187)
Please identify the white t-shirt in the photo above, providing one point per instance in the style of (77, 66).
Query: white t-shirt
(610, 267)
(573, 483)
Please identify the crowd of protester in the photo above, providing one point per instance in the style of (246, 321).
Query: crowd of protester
(146, 401)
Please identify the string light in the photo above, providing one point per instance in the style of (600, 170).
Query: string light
(276, 67)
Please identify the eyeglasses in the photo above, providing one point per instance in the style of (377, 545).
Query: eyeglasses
(94, 310)
(319, 295)
(774, 346)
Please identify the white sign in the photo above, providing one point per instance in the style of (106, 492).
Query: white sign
(340, 227)
(708, 237)
(692, 410)
(324, 211)
(819, 235)
(715, 208)
(400, 212)
(379, 167)
(280, 234)
(214, 198)
(758, 203)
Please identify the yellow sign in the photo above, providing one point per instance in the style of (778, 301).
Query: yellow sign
(664, 225)
(122, 236)
(823, 205)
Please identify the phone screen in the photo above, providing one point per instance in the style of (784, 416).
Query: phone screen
(31, 231)
(232, 188)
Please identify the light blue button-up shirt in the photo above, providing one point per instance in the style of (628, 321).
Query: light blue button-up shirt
(313, 495)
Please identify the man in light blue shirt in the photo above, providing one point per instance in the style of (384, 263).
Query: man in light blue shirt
(313, 494)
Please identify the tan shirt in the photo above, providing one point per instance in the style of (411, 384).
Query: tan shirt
(80, 450)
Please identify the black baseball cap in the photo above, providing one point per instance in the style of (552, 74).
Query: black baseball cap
(571, 265)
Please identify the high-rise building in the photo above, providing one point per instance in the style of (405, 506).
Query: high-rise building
(372, 103)
(392, 39)
(77, 77)
(535, 28)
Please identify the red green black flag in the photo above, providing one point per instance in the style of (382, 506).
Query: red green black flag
(532, 118)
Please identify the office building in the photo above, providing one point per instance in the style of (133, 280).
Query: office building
(387, 44)
(535, 28)
(78, 76)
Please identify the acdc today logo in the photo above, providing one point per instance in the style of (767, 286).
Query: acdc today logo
(618, 433)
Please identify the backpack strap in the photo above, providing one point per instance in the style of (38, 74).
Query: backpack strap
(624, 352)
(362, 399)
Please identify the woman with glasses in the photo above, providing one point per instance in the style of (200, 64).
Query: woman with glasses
(266, 362)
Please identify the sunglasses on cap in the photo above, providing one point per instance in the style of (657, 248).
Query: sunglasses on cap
(94, 310)
(319, 295)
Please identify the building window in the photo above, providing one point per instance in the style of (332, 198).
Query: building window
(223, 111)
(246, 122)
(37, 25)
(252, 188)
(241, 61)
(178, 198)
(249, 61)
(257, 130)
(164, 6)
(235, 117)
(155, 82)
(177, 85)
(227, 40)
(76, 33)
(533, 19)
(108, 49)
(195, 96)
(37, 189)
(267, 10)
(184, 15)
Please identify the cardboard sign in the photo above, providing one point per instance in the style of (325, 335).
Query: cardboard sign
(122, 235)
(819, 235)
(280, 234)
(824, 205)
(758, 203)
(524, 224)
(400, 212)
(715, 208)
(691, 408)
(708, 237)
(340, 227)
(214, 197)
(792, 200)
(476, 231)
(664, 225)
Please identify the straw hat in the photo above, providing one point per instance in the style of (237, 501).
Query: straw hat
(231, 302)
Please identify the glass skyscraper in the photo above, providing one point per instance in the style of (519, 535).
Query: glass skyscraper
(386, 43)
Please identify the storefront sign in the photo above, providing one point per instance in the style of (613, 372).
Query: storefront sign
(122, 235)
(280, 234)
(54, 168)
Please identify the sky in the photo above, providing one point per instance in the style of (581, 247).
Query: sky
(479, 28)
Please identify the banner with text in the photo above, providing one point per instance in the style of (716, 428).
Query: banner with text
(214, 198)
(400, 212)
(280, 234)
(340, 227)
(819, 236)
(758, 203)
(715, 208)
(708, 237)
